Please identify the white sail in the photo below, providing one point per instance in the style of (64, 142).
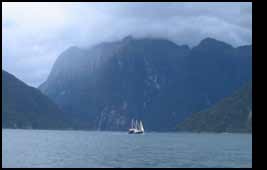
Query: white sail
(136, 124)
(141, 127)
(132, 125)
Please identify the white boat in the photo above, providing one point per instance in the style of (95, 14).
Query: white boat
(136, 128)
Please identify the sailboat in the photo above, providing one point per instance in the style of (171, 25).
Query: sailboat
(136, 128)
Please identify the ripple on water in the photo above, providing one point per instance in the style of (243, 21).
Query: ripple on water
(117, 149)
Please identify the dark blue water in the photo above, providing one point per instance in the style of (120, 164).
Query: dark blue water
(32, 148)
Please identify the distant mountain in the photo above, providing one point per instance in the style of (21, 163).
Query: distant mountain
(26, 107)
(232, 114)
(155, 80)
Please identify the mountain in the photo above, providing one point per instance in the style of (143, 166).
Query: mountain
(154, 80)
(26, 107)
(232, 114)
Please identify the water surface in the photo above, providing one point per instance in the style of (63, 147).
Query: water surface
(36, 148)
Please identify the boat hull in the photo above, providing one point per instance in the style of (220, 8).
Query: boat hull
(132, 131)
(135, 131)
(140, 132)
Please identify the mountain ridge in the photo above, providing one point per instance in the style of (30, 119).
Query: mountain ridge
(24, 106)
(111, 83)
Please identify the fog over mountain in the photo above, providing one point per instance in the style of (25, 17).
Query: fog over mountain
(33, 41)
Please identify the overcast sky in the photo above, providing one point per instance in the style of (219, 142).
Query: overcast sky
(34, 34)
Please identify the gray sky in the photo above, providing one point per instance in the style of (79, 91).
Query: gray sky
(34, 34)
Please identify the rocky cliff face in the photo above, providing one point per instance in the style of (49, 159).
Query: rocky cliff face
(155, 80)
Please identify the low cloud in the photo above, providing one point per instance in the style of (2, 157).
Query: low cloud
(34, 34)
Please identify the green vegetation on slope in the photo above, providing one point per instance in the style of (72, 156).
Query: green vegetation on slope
(232, 114)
